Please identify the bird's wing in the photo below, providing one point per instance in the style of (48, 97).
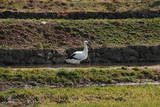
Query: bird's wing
(78, 55)
(71, 56)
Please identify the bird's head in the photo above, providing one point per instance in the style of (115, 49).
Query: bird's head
(85, 42)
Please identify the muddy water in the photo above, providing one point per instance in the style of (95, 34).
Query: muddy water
(72, 67)
(145, 83)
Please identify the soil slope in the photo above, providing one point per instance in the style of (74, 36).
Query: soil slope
(61, 34)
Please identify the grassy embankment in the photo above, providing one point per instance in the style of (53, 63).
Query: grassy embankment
(70, 33)
(80, 5)
(76, 78)
(126, 96)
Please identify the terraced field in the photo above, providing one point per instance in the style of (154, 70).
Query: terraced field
(43, 32)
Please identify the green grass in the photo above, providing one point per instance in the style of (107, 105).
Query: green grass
(101, 33)
(77, 77)
(112, 96)
(80, 5)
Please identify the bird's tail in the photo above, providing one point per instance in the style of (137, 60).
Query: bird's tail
(68, 60)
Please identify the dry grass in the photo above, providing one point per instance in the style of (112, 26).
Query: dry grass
(112, 96)
(80, 5)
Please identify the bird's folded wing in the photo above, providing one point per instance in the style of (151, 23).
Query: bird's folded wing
(76, 55)
(71, 56)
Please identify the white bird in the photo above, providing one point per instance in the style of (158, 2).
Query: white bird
(78, 56)
(44, 22)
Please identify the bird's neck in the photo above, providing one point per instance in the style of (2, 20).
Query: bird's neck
(85, 48)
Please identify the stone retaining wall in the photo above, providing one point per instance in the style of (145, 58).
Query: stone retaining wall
(108, 55)
(80, 15)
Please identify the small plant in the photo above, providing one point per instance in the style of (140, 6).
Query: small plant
(39, 45)
(136, 69)
(124, 68)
